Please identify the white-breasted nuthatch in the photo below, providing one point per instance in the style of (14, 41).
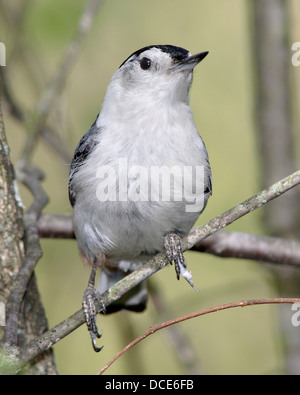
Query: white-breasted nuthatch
(140, 176)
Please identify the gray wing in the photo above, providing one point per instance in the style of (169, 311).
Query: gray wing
(83, 150)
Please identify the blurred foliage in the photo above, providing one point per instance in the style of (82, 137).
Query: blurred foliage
(240, 341)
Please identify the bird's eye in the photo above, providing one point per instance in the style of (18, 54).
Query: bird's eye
(145, 63)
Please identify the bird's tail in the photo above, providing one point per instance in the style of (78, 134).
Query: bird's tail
(134, 300)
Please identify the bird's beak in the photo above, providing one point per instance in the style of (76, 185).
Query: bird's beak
(190, 62)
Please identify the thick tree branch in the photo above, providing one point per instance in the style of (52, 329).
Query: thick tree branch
(30, 177)
(158, 262)
(11, 213)
(246, 246)
(223, 244)
(56, 226)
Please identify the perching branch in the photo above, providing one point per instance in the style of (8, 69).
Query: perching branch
(52, 336)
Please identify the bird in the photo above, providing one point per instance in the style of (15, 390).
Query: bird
(140, 177)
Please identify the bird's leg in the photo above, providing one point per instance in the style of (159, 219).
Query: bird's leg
(88, 303)
(174, 254)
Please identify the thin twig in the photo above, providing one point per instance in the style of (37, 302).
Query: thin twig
(57, 144)
(55, 86)
(155, 328)
(182, 347)
(49, 135)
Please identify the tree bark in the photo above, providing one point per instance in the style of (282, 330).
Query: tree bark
(32, 319)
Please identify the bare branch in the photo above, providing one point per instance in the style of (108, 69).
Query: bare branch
(31, 177)
(58, 81)
(55, 86)
(155, 328)
(57, 143)
(183, 349)
(223, 244)
(50, 136)
(49, 338)
(246, 246)
(56, 226)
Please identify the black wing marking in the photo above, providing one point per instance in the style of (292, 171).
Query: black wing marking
(83, 150)
(208, 189)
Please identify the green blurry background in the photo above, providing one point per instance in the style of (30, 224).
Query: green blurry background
(238, 341)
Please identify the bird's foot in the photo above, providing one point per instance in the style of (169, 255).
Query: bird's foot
(88, 303)
(174, 254)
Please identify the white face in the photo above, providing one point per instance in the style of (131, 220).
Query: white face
(152, 73)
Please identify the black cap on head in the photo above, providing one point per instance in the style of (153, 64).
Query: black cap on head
(177, 53)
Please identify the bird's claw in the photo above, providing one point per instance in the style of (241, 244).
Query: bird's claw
(90, 312)
(174, 254)
(95, 336)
